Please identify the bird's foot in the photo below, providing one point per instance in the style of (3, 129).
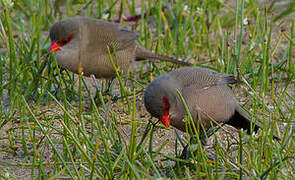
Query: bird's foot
(110, 86)
(107, 93)
(188, 151)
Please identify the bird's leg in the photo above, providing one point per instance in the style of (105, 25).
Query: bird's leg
(95, 83)
(192, 147)
(106, 92)
(96, 97)
(189, 149)
(110, 85)
(184, 153)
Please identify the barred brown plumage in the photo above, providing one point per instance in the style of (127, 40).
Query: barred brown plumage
(88, 43)
(206, 94)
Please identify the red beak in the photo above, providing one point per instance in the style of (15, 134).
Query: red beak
(54, 47)
(166, 120)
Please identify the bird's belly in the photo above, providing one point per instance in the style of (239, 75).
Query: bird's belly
(101, 66)
(182, 125)
(204, 117)
(97, 64)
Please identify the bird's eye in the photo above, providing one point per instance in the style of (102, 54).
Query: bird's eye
(65, 40)
(166, 107)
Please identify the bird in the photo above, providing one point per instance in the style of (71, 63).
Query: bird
(207, 95)
(86, 41)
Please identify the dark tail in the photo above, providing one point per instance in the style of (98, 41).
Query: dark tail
(240, 122)
(143, 54)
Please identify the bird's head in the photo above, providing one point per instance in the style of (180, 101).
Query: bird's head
(62, 33)
(160, 98)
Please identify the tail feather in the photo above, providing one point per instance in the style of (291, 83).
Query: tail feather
(143, 54)
(241, 122)
(229, 79)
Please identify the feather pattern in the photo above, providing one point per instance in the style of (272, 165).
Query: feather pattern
(206, 94)
(91, 39)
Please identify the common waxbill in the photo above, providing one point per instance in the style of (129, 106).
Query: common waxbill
(86, 40)
(206, 94)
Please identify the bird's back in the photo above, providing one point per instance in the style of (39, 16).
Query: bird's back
(200, 77)
(101, 35)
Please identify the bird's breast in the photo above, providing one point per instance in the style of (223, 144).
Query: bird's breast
(96, 62)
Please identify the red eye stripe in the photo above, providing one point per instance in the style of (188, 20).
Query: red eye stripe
(55, 46)
(65, 41)
(166, 118)
(166, 102)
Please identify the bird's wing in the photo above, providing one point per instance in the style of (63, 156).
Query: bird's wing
(125, 39)
(201, 78)
(215, 103)
(110, 35)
